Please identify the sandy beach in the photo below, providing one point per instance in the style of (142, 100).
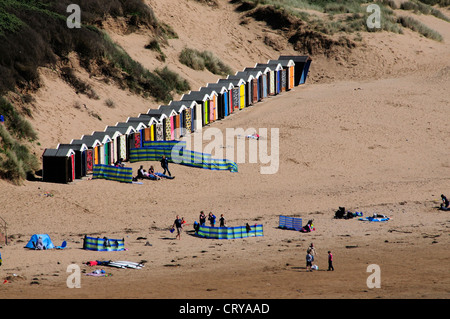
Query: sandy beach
(360, 137)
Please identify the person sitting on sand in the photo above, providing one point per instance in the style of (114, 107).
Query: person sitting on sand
(445, 203)
(140, 172)
(159, 175)
(143, 174)
(119, 163)
(151, 173)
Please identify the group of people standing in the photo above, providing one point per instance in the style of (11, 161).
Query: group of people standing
(179, 222)
(211, 219)
(310, 256)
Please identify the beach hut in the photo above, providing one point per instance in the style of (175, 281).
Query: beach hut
(225, 102)
(270, 73)
(148, 132)
(170, 122)
(160, 126)
(216, 99)
(125, 130)
(92, 154)
(178, 113)
(248, 87)
(275, 80)
(193, 114)
(257, 83)
(264, 79)
(114, 146)
(80, 157)
(204, 100)
(213, 111)
(288, 77)
(139, 124)
(237, 93)
(301, 67)
(58, 165)
(106, 147)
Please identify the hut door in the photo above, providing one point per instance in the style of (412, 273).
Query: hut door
(89, 161)
(72, 167)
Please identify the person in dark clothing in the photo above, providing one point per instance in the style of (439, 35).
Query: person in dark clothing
(202, 218)
(165, 165)
(178, 224)
(222, 221)
(330, 261)
(212, 219)
(445, 203)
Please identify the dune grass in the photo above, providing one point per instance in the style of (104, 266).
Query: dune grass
(417, 26)
(349, 16)
(200, 60)
(419, 7)
(34, 34)
(16, 160)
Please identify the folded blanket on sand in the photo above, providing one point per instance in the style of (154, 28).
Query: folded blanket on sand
(98, 273)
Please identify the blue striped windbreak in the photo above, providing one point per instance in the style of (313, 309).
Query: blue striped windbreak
(109, 172)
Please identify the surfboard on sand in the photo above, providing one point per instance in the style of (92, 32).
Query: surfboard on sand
(125, 264)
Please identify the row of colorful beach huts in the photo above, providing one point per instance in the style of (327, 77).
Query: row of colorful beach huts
(193, 111)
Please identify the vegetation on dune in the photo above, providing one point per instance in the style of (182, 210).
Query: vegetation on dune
(310, 25)
(35, 34)
(413, 24)
(419, 7)
(15, 157)
(200, 60)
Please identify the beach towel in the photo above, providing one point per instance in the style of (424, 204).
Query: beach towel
(374, 219)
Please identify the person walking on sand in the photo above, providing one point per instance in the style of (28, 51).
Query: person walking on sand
(165, 165)
(178, 224)
(330, 261)
(312, 251)
(308, 262)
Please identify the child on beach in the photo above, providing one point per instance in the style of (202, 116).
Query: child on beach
(330, 261)
(222, 221)
(202, 218)
(308, 262)
(212, 219)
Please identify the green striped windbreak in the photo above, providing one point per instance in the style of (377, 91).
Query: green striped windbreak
(180, 155)
(113, 173)
(103, 244)
(230, 232)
